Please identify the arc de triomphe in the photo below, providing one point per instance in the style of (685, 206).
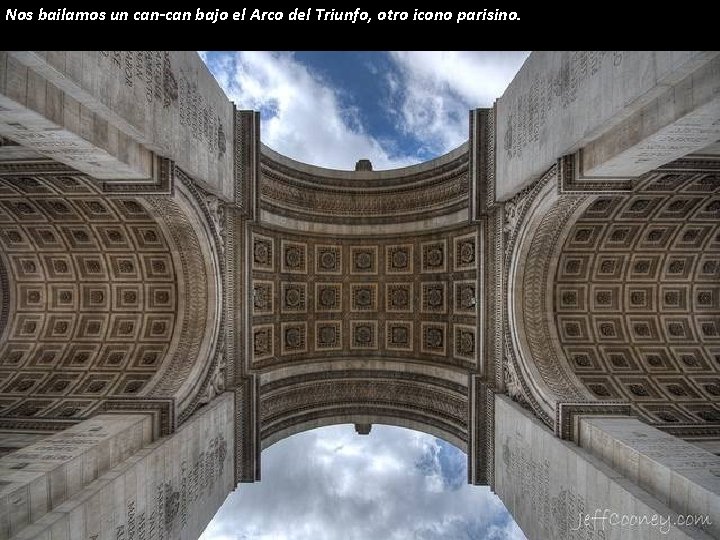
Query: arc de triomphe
(176, 296)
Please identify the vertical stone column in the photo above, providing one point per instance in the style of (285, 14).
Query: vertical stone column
(121, 116)
(555, 489)
(679, 474)
(168, 490)
(40, 477)
(621, 113)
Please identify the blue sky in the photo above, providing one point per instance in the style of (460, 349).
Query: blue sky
(332, 484)
(332, 108)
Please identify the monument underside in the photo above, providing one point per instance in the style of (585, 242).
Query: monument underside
(210, 296)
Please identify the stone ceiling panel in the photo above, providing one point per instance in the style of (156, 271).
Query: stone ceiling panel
(410, 296)
(637, 297)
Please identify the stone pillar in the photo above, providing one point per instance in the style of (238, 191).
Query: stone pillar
(12, 441)
(40, 477)
(554, 489)
(620, 113)
(168, 490)
(120, 116)
(679, 474)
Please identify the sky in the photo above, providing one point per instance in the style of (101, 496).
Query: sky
(394, 108)
(333, 484)
(331, 109)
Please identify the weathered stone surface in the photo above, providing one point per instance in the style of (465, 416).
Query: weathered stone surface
(550, 486)
(316, 296)
(677, 473)
(38, 478)
(169, 489)
(110, 113)
(630, 111)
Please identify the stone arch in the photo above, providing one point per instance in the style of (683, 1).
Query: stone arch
(307, 198)
(98, 311)
(434, 401)
(613, 298)
(189, 219)
(637, 295)
(363, 300)
(536, 220)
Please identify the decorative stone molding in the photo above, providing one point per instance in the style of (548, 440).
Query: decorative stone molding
(513, 384)
(692, 431)
(163, 176)
(567, 415)
(247, 430)
(482, 162)
(216, 384)
(572, 179)
(194, 338)
(437, 403)
(163, 411)
(481, 431)
(217, 222)
(38, 424)
(313, 194)
(247, 162)
(533, 223)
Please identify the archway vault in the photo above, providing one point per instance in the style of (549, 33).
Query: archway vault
(433, 402)
(364, 300)
(613, 299)
(109, 300)
(345, 289)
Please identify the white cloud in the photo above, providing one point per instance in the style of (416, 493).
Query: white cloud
(311, 491)
(432, 92)
(302, 115)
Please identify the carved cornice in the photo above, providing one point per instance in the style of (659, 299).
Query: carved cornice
(572, 179)
(163, 411)
(35, 424)
(39, 167)
(363, 197)
(163, 176)
(355, 374)
(691, 431)
(696, 163)
(567, 415)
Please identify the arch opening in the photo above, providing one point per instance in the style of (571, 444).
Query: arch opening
(423, 401)
(329, 481)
